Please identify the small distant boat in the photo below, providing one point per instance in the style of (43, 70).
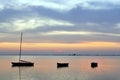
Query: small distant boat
(94, 64)
(62, 65)
(22, 62)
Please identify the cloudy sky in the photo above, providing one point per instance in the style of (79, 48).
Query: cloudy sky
(60, 25)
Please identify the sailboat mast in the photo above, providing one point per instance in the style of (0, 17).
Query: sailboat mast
(20, 47)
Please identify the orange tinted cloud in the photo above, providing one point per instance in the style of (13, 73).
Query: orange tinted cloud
(61, 46)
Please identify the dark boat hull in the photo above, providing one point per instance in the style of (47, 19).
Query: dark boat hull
(94, 64)
(15, 64)
(62, 65)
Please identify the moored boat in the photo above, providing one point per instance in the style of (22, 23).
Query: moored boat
(21, 62)
(62, 65)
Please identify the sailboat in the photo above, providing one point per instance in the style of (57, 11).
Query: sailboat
(22, 62)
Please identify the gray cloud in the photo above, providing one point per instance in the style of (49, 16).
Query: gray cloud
(61, 5)
(101, 17)
(32, 23)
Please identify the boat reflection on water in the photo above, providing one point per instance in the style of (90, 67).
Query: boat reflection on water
(19, 73)
(20, 70)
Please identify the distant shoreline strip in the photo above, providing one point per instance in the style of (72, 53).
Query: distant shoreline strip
(56, 55)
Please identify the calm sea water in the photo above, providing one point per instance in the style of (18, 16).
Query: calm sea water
(45, 68)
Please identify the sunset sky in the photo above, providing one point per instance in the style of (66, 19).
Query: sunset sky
(60, 25)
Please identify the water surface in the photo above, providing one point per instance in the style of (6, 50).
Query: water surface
(45, 68)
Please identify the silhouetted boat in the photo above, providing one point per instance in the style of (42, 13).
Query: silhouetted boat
(94, 64)
(22, 62)
(62, 65)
